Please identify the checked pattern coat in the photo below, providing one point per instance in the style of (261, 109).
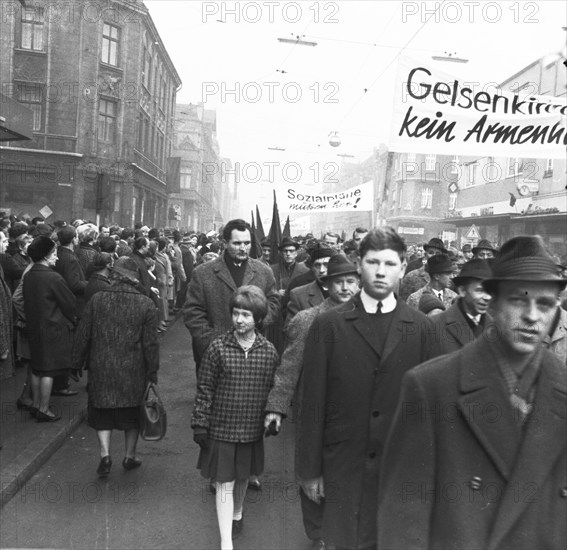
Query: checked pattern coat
(233, 387)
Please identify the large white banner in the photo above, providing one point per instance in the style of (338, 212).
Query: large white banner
(437, 113)
(354, 199)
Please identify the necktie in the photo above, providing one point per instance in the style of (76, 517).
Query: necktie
(379, 308)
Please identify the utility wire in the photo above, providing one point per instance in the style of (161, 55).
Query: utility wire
(392, 61)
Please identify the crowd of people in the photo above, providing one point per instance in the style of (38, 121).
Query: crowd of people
(426, 385)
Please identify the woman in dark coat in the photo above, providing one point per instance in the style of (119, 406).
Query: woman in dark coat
(117, 341)
(99, 279)
(49, 307)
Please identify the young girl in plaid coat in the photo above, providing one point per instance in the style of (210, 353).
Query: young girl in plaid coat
(234, 380)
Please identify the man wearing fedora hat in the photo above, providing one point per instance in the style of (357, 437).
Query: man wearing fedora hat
(468, 318)
(287, 268)
(477, 454)
(354, 358)
(418, 277)
(342, 281)
(440, 268)
(313, 292)
(484, 250)
(467, 252)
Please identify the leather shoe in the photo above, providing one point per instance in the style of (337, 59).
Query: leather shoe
(104, 466)
(255, 485)
(237, 528)
(43, 417)
(318, 544)
(66, 392)
(21, 404)
(131, 463)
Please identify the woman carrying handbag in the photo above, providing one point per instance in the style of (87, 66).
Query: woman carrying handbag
(118, 344)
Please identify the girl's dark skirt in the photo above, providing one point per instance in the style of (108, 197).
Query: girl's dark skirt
(224, 461)
(123, 418)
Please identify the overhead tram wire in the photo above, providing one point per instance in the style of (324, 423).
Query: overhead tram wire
(405, 47)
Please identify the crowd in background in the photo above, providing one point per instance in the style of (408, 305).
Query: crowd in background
(58, 281)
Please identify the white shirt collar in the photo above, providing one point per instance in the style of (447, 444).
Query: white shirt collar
(370, 303)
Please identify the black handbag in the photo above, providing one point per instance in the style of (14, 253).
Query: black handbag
(153, 418)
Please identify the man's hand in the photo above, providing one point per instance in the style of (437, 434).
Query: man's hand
(314, 489)
(273, 417)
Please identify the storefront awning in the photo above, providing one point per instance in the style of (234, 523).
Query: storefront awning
(16, 121)
(492, 219)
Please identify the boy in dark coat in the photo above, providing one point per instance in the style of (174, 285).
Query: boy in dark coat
(355, 358)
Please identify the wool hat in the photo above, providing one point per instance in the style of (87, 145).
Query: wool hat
(127, 267)
(524, 258)
(429, 302)
(473, 269)
(436, 244)
(338, 265)
(484, 244)
(466, 248)
(17, 229)
(288, 241)
(40, 248)
(322, 251)
(440, 263)
(186, 239)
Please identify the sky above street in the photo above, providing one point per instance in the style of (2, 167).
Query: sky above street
(294, 97)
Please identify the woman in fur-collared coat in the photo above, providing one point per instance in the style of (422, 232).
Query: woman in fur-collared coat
(117, 343)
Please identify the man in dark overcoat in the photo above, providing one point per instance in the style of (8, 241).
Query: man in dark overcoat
(468, 318)
(355, 358)
(477, 454)
(206, 312)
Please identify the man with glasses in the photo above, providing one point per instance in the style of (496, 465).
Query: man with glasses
(287, 268)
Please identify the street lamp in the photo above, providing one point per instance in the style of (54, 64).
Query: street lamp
(449, 57)
(297, 40)
(334, 139)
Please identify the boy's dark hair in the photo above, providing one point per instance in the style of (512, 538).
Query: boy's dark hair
(239, 225)
(66, 235)
(253, 299)
(383, 238)
(107, 244)
(359, 230)
(126, 233)
(162, 243)
(140, 242)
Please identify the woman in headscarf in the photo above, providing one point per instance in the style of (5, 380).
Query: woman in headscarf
(117, 341)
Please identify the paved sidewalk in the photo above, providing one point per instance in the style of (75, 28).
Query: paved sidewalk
(26, 443)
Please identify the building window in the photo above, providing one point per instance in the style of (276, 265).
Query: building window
(160, 142)
(471, 174)
(32, 29)
(147, 72)
(452, 201)
(548, 168)
(185, 178)
(430, 162)
(514, 166)
(32, 97)
(106, 120)
(110, 44)
(143, 134)
(455, 165)
(426, 197)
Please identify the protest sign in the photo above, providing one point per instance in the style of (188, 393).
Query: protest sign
(437, 113)
(354, 199)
